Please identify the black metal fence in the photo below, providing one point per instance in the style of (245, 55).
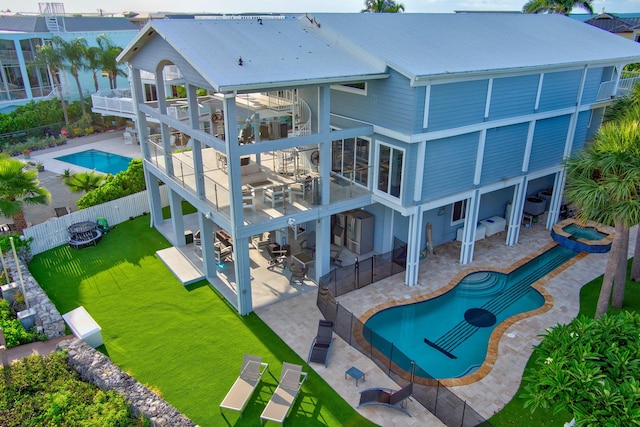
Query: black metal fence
(429, 392)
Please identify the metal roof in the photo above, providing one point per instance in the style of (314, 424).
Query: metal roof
(37, 24)
(422, 46)
(325, 47)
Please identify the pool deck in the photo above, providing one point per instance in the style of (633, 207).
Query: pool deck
(509, 351)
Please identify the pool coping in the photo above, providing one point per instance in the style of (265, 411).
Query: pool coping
(498, 332)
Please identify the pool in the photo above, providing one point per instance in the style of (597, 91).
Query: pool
(448, 336)
(589, 237)
(98, 160)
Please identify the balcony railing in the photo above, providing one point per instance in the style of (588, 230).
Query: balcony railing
(608, 89)
(117, 102)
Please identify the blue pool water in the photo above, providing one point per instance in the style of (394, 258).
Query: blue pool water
(98, 160)
(448, 336)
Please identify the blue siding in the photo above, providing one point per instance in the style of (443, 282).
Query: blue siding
(450, 165)
(591, 85)
(503, 153)
(513, 96)
(549, 140)
(457, 104)
(560, 90)
(389, 103)
(580, 135)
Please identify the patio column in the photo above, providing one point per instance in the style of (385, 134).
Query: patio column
(141, 118)
(324, 100)
(194, 117)
(242, 269)
(470, 224)
(207, 245)
(155, 201)
(413, 247)
(175, 204)
(323, 247)
(164, 128)
(555, 204)
(23, 70)
(517, 206)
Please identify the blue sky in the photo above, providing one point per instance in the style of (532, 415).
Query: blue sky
(235, 6)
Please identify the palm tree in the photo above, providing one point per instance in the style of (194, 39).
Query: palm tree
(109, 60)
(73, 53)
(93, 55)
(563, 7)
(83, 181)
(603, 181)
(51, 56)
(19, 186)
(383, 6)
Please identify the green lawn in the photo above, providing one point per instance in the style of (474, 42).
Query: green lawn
(186, 343)
(514, 413)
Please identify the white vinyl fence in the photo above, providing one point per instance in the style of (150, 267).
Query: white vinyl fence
(53, 232)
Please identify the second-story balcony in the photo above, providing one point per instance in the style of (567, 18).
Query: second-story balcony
(617, 89)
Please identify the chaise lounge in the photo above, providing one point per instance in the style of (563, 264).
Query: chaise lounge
(252, 370)
(281, 402)
(387, 397)
(321, 345)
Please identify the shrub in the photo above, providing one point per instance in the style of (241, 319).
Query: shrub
(125, 183)
(47, 391)
(14, 333)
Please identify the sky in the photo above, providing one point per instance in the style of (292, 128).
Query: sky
(117, 7)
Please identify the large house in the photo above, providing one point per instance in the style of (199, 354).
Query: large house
(359, 130)
(23, 79)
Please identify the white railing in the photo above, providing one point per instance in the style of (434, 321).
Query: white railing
(284, 100)
(114, 101)
(608, 89)
(53, 232)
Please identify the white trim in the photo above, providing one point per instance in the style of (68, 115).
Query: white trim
(464, 210)
(539, 93)
(417, 188)
(487, 104)
(387, 194)
(480, 156)
(427, 102)
(354, 90)
(528, 145)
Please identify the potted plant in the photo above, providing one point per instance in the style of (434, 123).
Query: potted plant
(40, 166)
(26, 153)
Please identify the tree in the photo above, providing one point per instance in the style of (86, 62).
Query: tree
(52, 57)
(592, 368)
(383, 6)
(93, 55)
(19, 186)
(73, 53)
(563, 7)
(83, 181)
(109, 60)
(603, 181)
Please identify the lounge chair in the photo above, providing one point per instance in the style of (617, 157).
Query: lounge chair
(387, 397)
(298, 274)
(252, 370)
(321, 345)
(281, 402)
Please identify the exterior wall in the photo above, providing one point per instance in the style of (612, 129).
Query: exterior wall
(449, 165)
(503, 153)
(458, 104)
(390, 103)
(591, 85)
(580, 136)
(513, 96)
(549, 140)
(560, 90)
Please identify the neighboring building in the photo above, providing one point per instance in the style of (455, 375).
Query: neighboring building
(435, 121)
(626, 25)
(21, 80)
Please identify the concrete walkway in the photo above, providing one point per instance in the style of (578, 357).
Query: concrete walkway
(41, 348)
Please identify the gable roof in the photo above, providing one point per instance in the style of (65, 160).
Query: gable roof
(334, 47)
(614, 23)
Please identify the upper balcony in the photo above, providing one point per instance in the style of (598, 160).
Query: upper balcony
(608, 90)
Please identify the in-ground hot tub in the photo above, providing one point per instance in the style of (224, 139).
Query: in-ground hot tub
(582, 237)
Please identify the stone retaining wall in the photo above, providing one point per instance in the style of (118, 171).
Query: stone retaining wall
(52, 324)
(98, 369)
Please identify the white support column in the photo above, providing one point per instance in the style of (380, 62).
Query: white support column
(555, 204)
(141, 118)
(175, 204)
(242, 267)
(23, 69)
(155, 202)
(207, 245)
(470, 223)
(517, 206)
(198, 170)
(164, 128)
(323, 247)
(324, 100)
(413, 248)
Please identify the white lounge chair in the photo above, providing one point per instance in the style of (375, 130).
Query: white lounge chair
(281, 402)
(252, 370)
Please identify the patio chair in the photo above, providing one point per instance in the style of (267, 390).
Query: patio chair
(283, 398)
(274, 194)
(321, 345)
(334, 256)
(252, 370)
(277, 256)
(298, 275)
(260, 240)
(308, 245)
(387, 397)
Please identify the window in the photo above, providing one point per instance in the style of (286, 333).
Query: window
(359, 88)
(459, 212)
(390, 170)
(350, 158)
